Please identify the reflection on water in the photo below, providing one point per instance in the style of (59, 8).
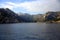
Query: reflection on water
(30, 31)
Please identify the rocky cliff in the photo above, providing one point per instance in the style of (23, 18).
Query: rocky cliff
(7, 16)
(52, 16)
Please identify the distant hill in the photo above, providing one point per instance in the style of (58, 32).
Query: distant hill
(8, 16)
(38, 18)
(26, 18)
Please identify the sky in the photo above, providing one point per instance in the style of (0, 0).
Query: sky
(31, 6)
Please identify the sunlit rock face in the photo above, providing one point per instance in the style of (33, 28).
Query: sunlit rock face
(52, 16)
(38, 18)
(7, 16)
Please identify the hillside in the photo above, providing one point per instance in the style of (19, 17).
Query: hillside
(52, 16)
(7, 16)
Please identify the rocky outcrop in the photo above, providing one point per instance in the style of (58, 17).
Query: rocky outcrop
(7, 16)
(52, 16)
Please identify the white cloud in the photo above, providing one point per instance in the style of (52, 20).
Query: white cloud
(7, 5)
(41, 6)
(35, 6)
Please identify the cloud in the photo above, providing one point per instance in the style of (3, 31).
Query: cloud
(41, 6)
(7, 5)
(34, 6)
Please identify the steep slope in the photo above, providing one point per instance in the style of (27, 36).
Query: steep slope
(7, 16)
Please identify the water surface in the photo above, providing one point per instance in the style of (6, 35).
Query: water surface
(30, 31)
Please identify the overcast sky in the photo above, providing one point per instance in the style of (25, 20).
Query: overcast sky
(31, 6)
